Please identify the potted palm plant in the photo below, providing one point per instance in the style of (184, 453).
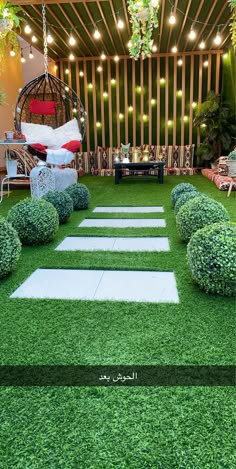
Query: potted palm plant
(10, 20)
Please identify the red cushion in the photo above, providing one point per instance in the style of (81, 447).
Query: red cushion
(42, 107)
(73, 145)
(39, 147)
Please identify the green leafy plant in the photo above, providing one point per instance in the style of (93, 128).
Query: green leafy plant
(184, 197)
(179, 189)
(35, 220)
(211, 257)
(10, 248)
(62, 202)
(2, 97)
(80, 196)
(232, 4)
(143, 19)
(198, 212)
(10, 21)
(218, 121)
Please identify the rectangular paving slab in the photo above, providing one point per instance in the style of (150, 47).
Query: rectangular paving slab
(123, 223)
(128, 210)
(94, 243)
(72, 284)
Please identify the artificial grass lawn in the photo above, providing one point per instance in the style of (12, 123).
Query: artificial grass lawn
(143, 427)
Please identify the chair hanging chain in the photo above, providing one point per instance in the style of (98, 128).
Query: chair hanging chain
(45, 39)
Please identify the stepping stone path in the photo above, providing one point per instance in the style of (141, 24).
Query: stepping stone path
(115, 285)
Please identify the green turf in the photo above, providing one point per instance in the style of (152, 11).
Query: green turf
(144, 427)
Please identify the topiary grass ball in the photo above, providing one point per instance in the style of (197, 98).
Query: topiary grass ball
(62, 202)
(184, 197)
(80, 196)
(10, 248)
(198, 212)
(35, 220)
(179, 189)
(211, 257)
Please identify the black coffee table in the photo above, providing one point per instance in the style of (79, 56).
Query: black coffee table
(133, 167)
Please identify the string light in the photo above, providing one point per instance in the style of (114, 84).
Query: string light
(67, 71)
(202, 45)
(185, 118)
(12, 52)
(34, 38)
(105, 94)
(22, 59)
(49, 38)
(205, 64)
(169, 123)
(225, 56)
(145, 117)
(162, 81)
(90, 86)
(67, 88)
(113, 81)
(179, 93)
(71, 56)
(96, 34)
(121, 116)
(120, 23)
(139, 89)
(154, 48)
(194, 105)
(174, 49)
(129, 44)
(27, 29)
(218, 39)
(180, 62)
(153, 102)
(99, 68)
(31, 55)
(192, 34)
(72, 40)
(103, 56)
(98, 124)
(130, 108)
(116, 58)
(81, 73)
(172, 19)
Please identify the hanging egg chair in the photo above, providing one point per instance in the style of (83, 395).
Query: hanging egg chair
(47, 100)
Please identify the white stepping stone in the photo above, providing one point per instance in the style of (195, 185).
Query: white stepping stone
(128, 210)
(94, 243)
(153, 287)
(123, 223)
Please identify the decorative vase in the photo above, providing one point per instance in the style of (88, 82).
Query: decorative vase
(135, 156)
(11, 166)
(145, 156)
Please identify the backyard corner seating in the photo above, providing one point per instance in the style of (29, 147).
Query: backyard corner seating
(220, 176)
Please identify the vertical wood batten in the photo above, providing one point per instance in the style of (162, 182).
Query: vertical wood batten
(61, 71)
(102, 106)
(141, 102)
(199, 94)
(217, 73)
(126, 103)
(86, 106)
(134, 103)
(183, 100)
(158, 101)
(94, 106)
(191, 100)
(174, 100)
(209, 73)
(149, 101)
(109, 103)
(118, 103)
(69, 75)
(166, 99)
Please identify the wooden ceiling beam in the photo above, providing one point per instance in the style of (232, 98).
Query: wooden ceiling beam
(199, 35)
(47, 2)
(217, 21)
(118, 31)
(161, 23)
(106, 25)
(75, 31)
(95, 27)
(171, 26)
(86, 29)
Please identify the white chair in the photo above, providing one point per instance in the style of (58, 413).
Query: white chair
(12, 172)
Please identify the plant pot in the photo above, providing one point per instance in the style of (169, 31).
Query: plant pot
(231, 167)
(11, 168)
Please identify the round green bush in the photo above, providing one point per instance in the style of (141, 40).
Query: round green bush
(35, 220)
(62, 202)
(184, 197)
(80, 196)
(180, 189)
(10, 248)
(211, 256)
(198, 212)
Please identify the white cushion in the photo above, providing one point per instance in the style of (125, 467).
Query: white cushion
(37, 133)
(66, 133)
(58, 157)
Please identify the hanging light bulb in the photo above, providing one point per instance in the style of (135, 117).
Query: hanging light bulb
(31, 55)
(113, 81)
(205, 63)
(71, 56)
(154, 48)
(202, 45)
(103, 56)
(192, 34)
(72, 40)
(120, 23)
(67, 88)
(22, 59)
(96, 34)
(172, 19)
(81, 73)
(27, 29)
(67, 71)
(34, 39)
(180, 62)
(218, 39)
(129, 44)
(116, 58)
(174, 49)
(12, 52)
(99, 68)
(49, 38)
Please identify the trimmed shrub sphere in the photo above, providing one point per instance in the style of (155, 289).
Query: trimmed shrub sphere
(184, 197)
(180, 189)
(35, 220)
(211, 256)
(10, 248)
(62, 202)
(198, 212)
(80, 196)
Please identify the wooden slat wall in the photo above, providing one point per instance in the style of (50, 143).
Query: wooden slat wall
(112, 130)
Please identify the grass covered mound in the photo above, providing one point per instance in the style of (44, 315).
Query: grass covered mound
(80, 196)
(62, 202)
(10, 248)
(198, 212)
(180, 189)
(35, 220)
(211, 255)
(184, 197)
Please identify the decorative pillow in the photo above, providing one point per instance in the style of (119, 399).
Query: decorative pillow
(35, 133)
(125, 148)
(73, 145)
(39, 147)
(58, 157)
(66, 133)
(42, 107)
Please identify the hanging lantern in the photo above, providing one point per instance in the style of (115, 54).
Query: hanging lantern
(42, 180)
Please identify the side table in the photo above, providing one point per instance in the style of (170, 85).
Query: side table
(11, 176)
